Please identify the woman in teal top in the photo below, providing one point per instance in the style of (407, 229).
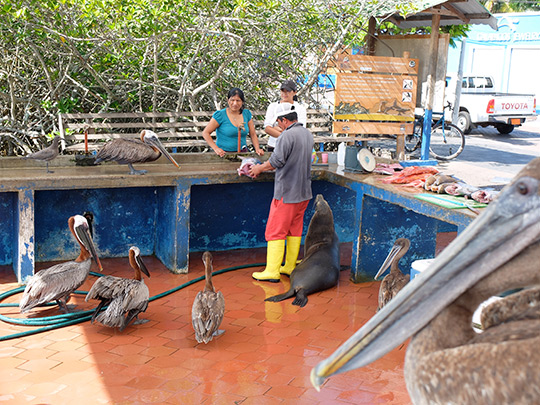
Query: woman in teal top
(226, 123)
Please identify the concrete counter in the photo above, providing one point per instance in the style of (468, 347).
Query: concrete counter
(204, 205)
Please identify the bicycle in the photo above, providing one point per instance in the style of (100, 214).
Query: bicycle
(447, 140)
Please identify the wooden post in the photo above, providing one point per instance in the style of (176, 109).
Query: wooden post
(371, 36)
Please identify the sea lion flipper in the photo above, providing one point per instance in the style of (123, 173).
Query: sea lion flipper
(301, 298)
(281, 297)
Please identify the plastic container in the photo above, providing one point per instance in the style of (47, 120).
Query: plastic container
(418, 266)
(332, 157)
(341, 154)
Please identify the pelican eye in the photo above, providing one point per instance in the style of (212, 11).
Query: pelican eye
(522, 188)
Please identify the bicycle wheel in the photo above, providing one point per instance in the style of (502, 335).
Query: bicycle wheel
(447, 141)
(413, 141)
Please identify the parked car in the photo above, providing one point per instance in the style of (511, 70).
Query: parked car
(480, 105)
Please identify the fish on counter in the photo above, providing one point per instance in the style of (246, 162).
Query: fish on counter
(124, 298)
(387, 168)
(410, 174)
(246, 164)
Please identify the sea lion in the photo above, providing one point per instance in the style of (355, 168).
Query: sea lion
(319, 270)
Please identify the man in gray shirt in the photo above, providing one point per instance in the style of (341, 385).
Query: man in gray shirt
(291, 160)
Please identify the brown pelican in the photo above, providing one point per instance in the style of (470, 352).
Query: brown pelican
(446, 361)
(208, 307)
(57, 282)
(396, 280)
(47, 154)
(129, 151)
(124, 298)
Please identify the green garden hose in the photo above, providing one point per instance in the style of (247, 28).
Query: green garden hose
(59, 321)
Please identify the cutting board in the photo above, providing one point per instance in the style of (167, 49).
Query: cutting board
(449, 201)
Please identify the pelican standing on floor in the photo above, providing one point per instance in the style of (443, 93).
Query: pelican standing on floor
(446, 361)
(47, 154)
(58, 282)
(396, 280)
(125, 298)
(208, 307)
(129, 151)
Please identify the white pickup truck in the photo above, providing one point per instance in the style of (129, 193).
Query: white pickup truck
(479, 105)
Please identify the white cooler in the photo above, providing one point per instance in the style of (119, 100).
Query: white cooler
(418, 266)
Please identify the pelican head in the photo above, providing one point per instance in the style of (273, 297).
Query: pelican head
(486, 259)
(401, 246)
(136, 261)
(81, 230)
(151, 138)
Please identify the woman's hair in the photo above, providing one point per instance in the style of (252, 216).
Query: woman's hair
(235, 91)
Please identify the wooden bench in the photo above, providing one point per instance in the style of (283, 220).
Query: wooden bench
(179, 131)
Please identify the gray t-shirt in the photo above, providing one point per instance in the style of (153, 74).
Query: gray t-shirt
(292, 160)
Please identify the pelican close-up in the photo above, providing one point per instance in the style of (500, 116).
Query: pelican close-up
(47, 154)
(447, 362)
(208, 307)
(129, 151)
(58, 282)
(396, 280)
(124, 298)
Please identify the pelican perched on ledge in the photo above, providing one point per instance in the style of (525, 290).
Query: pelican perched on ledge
(129, 151)
(396, 280)
(58, 282)
(47, 154)
(125, 298)
(446, 361)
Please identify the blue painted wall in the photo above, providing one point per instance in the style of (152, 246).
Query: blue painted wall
(233, 216)
(123, 217)
(229, 216)
(383, 223)
(7, 215)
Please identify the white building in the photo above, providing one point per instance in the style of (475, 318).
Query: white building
(510, 55)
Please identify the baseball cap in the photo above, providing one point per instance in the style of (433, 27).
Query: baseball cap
(288, 85)
(283, 109)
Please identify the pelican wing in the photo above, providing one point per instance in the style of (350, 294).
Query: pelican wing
(207, 314)
(390, 286)
(125, 295)
(54, 283)
(127, 151)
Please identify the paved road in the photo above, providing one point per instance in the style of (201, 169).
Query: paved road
(492, 159)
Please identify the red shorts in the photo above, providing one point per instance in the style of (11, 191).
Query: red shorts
(285, 220)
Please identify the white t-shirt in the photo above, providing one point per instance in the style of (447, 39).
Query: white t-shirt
(271, 112)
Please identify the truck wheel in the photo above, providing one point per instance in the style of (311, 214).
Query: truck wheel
(504, 128)
(464, 122)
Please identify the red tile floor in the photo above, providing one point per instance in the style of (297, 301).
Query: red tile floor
(264, 356)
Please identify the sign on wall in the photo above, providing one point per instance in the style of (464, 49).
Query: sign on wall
(375, 90)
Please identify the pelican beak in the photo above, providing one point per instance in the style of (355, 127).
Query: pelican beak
(501, 233)
(159, 145)
(83, 234)
(393, 253)
(142, 266)
(136, 261)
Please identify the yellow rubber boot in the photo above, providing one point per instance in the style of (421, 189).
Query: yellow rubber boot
(293, 248)
(274, 257)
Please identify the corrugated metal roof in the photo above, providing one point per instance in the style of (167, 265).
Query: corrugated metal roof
(452, 12)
